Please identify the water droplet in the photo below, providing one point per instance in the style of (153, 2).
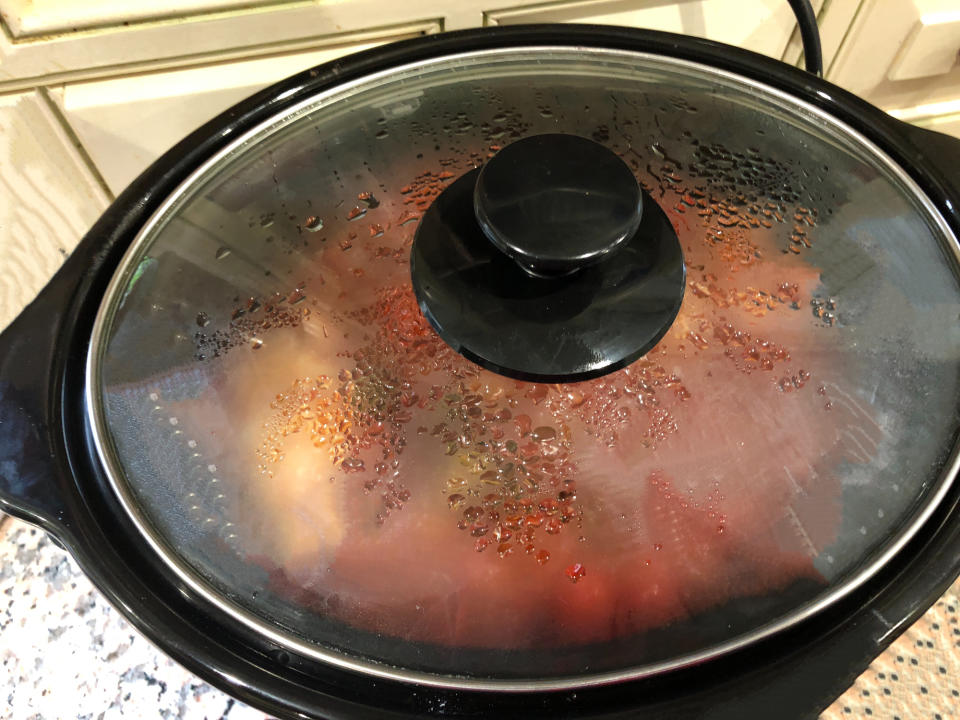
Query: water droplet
(222, 252)
(313, 223)
(382, 134)
(202, 319)
(543, 434)
(543, 557)
(554, 526)
(368, 198)
(296, 296)
(575, 572)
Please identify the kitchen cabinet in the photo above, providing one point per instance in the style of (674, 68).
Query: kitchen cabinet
(48, 197)
(132, 79)
(902, 55)
(126, 122)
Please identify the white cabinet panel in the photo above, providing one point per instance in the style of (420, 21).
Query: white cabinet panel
(48, 199)
(126, 123)
(882, 60)
(764, 26)
(931, 47)
(186, 41)
(35, 17)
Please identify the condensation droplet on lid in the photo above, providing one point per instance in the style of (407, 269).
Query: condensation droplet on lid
(256, 343)
(543, 434)
(313, 223)
(369, 199)
(174, 421)
(575, 572)
(222, 252)
(202, 319)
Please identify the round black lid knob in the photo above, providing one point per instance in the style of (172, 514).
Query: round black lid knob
(556, 203)
(540, 265)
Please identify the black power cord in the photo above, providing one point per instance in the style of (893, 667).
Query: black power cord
(809, 34)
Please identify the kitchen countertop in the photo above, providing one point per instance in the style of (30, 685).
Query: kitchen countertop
(67, 654)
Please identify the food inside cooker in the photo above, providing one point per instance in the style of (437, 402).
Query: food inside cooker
(385, 480)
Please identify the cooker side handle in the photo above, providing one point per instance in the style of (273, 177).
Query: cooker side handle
(35, 480)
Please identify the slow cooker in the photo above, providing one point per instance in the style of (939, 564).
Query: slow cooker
(535, 371)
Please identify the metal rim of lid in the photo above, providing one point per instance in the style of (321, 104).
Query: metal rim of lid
(115, 475)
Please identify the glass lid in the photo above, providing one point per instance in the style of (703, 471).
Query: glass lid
(303, 430)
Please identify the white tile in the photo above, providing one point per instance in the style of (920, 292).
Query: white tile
(48, 199)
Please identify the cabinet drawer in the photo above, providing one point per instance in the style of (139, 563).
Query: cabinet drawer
(126, 123)
(114, 46)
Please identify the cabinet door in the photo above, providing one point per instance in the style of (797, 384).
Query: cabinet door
(126, 123)
(902, 56)
(48, 198)
(764, 26)
(31, 18)
(117, 38)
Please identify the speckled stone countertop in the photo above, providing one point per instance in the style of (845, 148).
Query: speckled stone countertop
(67, 654)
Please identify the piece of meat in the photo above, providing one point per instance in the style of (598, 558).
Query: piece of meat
(389, 482)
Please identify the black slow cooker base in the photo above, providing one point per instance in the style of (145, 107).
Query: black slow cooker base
(60, 486)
